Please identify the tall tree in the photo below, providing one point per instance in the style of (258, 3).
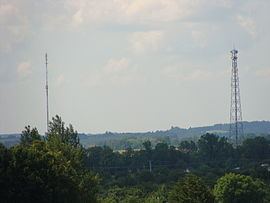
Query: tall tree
(187, 146)
(212, 147)
(147, 145)
(29, 135)
(59, 133)
(37, 173)
(256, 148)
(191, 190)
(236, 188)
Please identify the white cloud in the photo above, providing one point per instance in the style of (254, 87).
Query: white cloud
(224, 3)
(248, 24)
(202, 32)
(135, 11)
(77, 18)
(14, 26)
(263, 73)
(114, 72)
(116, 65)
(199, 37)
(186, 73)
(142, 42)
(60, 80)
(24, 69)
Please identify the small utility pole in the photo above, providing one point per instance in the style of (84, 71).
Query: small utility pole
(150, 166)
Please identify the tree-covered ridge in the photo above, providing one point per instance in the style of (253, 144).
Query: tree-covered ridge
(57, 168)
(173, 136)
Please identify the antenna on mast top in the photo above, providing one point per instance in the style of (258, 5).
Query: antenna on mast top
(47, 93)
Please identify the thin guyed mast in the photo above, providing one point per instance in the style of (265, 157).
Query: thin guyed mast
(47, 93)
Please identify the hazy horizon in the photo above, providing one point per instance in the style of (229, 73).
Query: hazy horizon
(131, 66)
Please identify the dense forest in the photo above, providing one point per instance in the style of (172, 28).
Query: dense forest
(57, 168)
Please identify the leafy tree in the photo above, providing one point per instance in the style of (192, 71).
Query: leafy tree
(125, 195)
(147, 145)
(187, 146)
(147, 150)
(5, 158)
(50, 170)
(37, 173)
(191, 190)
(58, 132)
(159, 196)
(161, 152)
(212, 147)
(29, 135)
(257, 148)
(161, 147)
(236, 188)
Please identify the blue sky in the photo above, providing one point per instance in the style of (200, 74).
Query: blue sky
(131, 65)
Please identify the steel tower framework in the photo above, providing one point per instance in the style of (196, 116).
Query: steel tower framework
(236, 125)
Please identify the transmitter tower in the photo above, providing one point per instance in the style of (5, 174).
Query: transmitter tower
(236, 125)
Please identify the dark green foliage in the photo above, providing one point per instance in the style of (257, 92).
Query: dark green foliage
(59, 133)
(147, 145)
(188, 146)
(236, 188)
(213, 147)
(257, 148)
(164, 164)
(50, 170)
(29, 135)
(56, 169)
(5, 157)
(191, 190)
(39, 173)
(123, 195)
(158, 196)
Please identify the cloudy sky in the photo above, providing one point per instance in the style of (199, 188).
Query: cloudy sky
(131, 65)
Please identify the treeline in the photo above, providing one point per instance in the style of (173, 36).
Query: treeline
(211, 157)
(159, 173)
(56, 168)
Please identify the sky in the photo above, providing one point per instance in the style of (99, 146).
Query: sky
(131, 65)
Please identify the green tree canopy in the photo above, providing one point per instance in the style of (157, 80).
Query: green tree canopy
(236, 188)
(29, 135)
(59, 133)
(37, 173)
(213, 147)
(191, 190)
(256, 148)
(187, 146)
(147, 145)
(46, 170)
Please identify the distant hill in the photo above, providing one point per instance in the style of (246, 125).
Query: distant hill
(172, 136)
(9, 139)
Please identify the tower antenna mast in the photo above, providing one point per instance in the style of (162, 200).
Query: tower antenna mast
(47, 92)
(236, 125)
